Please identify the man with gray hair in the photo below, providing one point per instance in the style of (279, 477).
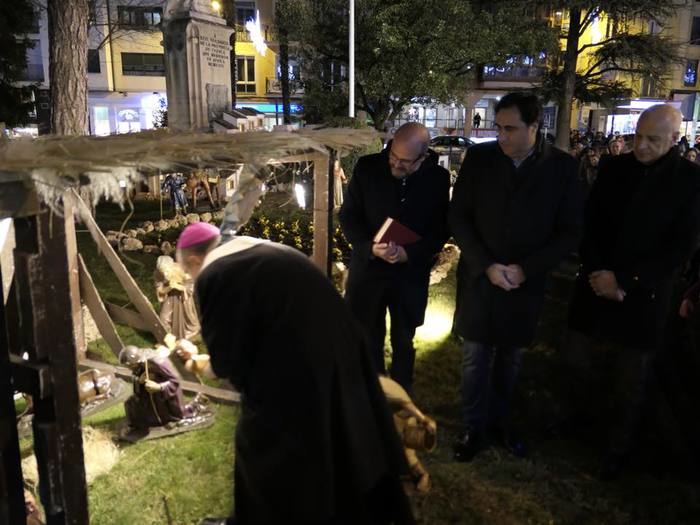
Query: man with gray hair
(406, 183)
(641, 224)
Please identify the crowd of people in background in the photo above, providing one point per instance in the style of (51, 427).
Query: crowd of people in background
(591, 148)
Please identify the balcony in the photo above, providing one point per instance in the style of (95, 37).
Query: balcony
(242, 34)
(512, 73)
(274, 86)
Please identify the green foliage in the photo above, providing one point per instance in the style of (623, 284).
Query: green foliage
(407, 49)
(15, 20)
(348, 162)
(624, 50)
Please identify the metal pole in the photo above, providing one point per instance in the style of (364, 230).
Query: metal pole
(351, 72)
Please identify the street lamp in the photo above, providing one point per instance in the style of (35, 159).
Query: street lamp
(351, 72)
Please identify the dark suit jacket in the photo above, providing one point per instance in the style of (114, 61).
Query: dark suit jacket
(641, 223)
(529, 216)
(420, 202)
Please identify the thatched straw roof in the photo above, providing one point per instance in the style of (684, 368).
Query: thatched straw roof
(54, 164)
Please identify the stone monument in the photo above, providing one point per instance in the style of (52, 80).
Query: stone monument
(197, 63)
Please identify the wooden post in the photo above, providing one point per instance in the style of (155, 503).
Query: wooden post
(320, 254)
(11, 491)
(331, 210)
(73, 280)
(41, 271)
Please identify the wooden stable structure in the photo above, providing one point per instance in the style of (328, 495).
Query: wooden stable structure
(40, 344)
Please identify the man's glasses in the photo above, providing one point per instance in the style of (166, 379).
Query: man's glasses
(403, 162)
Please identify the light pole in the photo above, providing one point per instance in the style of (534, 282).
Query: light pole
(351, 72)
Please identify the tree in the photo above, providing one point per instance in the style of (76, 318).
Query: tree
(68, 44)
(16, 19)
(588, 72)
(289, 17)
(412, 49)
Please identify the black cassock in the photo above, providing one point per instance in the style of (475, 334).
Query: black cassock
(315, 442)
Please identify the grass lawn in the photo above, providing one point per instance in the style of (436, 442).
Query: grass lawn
(192, 472)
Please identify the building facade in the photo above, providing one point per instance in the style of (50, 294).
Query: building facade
(126, 67)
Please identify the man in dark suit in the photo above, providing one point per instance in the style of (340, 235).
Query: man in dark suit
(515, 213)
(641, 224)
(406, 183)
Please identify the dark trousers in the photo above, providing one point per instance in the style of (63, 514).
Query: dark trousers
(489, 374)
(631, 370)
(370, 311)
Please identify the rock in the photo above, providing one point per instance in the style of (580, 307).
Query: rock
(162, 225)
(166, 248)
(174, 223)
(182, 220)
(131, 233)
(205, 217)
(192, 218)
(131, 244)
(147, 226)
(151, 248)
(140, 232)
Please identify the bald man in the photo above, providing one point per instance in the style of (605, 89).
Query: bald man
(406, 183)
(641, 224)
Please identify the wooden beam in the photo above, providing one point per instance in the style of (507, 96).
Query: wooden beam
(320, 253)
(98, 310)
(138, 299)
(11, 486)
(30, 377)
(73, 271)
(58, 441)
(126, 317)
(222, 395)
(7, 244)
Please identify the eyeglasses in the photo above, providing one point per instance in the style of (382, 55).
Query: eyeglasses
(404, 162)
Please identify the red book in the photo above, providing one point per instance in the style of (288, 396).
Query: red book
(393, 231)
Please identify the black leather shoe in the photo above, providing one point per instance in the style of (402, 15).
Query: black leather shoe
(508, 441)
(612, 467)
(467, 446)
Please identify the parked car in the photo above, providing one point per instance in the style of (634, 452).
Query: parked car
(454, 146)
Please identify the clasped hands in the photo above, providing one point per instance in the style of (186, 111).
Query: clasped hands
(151, 386)
(604, 284)
(390, 252)
(508, 277)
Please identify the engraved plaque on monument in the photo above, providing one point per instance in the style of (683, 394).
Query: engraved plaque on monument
(197, 63)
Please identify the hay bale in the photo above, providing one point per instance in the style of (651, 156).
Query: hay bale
(162, 225)
(147, 226)
(173, 223)
(218, 215)
(131, 244)
(101, 454)
(151, 248)
(166, 248)
(182, 220)
(92, 333)
(140, 232)
(205, 217)
(131, 233)
(192, 218)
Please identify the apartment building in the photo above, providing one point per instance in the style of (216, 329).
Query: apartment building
(126, 68)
